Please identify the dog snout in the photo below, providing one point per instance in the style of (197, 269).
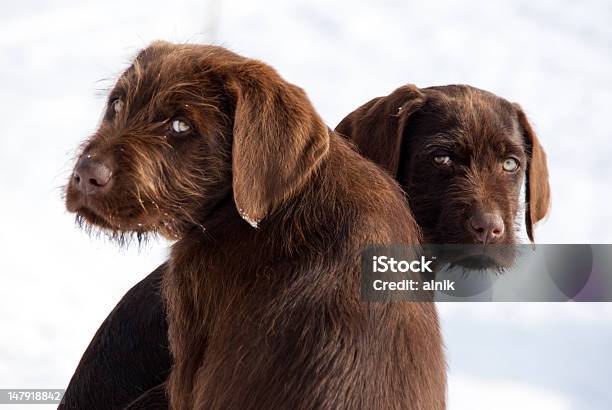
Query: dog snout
(91, 176)
(486, 227)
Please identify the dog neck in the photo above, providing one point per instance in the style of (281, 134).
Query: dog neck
(303, 217)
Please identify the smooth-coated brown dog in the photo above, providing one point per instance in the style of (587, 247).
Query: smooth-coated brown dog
(270, 210)
(461, 154)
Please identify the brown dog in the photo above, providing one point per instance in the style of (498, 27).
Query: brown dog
(136, 318)
(271, 211)
(461, 155)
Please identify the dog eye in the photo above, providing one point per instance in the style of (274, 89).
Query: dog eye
(180, 126)
(510, 165)
(443, 160)
(117, 106)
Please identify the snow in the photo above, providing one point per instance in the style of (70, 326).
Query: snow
(553, 57)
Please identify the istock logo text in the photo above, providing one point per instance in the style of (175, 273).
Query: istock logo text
(387, 264)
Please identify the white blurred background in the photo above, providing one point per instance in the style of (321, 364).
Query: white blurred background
(58, 57)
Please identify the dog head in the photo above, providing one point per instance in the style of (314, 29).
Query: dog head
(186, 126)
(461, 155)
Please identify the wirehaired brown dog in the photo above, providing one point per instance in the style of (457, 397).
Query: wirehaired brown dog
(270, 210)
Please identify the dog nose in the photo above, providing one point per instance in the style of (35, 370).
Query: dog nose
(486, 227)
(91, 176)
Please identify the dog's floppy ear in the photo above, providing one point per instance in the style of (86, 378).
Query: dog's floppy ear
(278, 139)
(377, 127)
(537, 192)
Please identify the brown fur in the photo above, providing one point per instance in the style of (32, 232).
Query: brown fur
(478, 131)
(267, 317)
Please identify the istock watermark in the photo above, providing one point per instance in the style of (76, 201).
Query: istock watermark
(384, 264)
(470, 273)
(389, 264)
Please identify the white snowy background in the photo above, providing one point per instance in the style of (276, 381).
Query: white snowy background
(554, 57)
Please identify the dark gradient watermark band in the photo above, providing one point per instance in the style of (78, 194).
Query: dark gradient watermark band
(493, 273)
